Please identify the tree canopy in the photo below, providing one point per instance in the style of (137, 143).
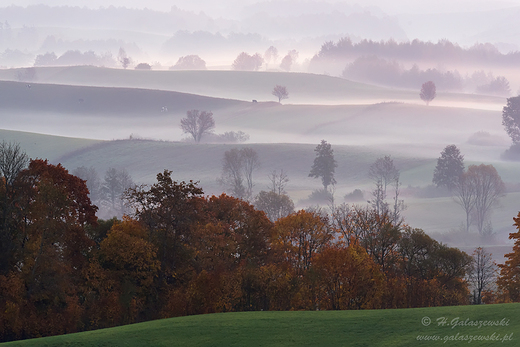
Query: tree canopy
(324, 164)
(511, 118)
(450, 166)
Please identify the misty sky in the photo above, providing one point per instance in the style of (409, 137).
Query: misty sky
(231, 8)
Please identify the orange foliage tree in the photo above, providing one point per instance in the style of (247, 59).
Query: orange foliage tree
(509, 279)
(52, 251)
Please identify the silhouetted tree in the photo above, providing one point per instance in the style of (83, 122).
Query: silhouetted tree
(288, 60)
(274, 205)
(498, 86)
(189, 62)
(482, 273)
(280, 92)
(324, 164)
(143, 66)
(91, 177)
(237, 165)
(428, 92)
(271, 54)
(123, 58)
(511, 118)
(246, 62)
(450, 166)
(198, 123)
(478, 191)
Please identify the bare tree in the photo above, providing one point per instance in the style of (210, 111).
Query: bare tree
(274, 205)
(384, 173)
(428, 92)
(91, 177)
(465, 196)
(232, 173)
(489, 187)
(198, 123)
(250, 163)
(278, 181)
(238, 164)
(478, 191)
(115, 184)
(384, 170)
(482, 273)
(12, 160)
(280, 92)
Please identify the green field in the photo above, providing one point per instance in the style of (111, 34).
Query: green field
(403, 327)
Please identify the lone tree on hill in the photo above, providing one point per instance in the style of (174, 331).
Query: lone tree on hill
(511, 118)
(324, 164)
(449, 169)
(198, 123)
(428, 92)
(280, 92)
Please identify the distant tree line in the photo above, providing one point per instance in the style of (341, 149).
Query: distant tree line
(443, 51)
(373, 69)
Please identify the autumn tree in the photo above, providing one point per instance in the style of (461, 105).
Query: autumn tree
(449, 169)
(300, 236)
(349, 278)
(168, 209)
(198, 124)
(428, 92)
(511, 118)
(274, 205)
(509, 278)
(246, 62)
(280, 92)
(324, 164)
(52, 250)
(482, 273)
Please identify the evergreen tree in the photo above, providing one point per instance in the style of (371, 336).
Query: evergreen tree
(450, 166)
(324, 164)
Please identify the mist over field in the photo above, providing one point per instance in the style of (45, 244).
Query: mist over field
(107, 82)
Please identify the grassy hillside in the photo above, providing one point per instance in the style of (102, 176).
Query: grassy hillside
(45, 146)
(143, 159)
(112, 113)
(303, 88)
(404, 327)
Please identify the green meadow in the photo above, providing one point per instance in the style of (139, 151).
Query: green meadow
(484, 325)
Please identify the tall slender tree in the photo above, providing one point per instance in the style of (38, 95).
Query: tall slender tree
(324, 164)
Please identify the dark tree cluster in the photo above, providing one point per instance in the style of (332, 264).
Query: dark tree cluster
(73, 58)
(183, 253)
(416, 50)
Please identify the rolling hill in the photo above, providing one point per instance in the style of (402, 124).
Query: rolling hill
(403, 327)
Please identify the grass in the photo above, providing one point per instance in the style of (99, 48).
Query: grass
(322, 328)
(304, 88)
